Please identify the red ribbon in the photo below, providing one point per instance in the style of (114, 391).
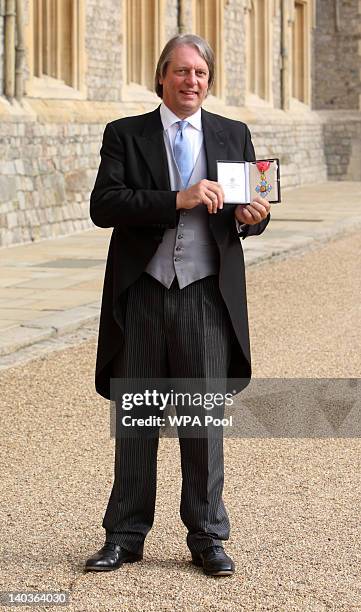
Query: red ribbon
(263, 166)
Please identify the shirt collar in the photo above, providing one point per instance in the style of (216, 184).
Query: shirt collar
(169, 118)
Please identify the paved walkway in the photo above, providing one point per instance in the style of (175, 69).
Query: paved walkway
(54, 286)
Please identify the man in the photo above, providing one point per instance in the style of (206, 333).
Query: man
(174, 301)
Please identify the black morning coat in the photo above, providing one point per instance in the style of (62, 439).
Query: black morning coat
(132, 194)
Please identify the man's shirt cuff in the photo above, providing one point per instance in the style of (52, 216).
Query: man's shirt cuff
(241, 228)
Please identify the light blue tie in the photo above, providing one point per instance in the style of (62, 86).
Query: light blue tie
(183, 153)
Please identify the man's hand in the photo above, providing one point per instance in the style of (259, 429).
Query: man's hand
(253, 213)
(205, 192)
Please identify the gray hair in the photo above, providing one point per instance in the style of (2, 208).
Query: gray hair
(191, 40)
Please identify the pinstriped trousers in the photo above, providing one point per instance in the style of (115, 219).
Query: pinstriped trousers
(182, 333)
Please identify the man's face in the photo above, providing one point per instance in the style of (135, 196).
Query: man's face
(185, 83)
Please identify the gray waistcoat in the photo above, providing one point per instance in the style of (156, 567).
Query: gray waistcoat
(189, 251)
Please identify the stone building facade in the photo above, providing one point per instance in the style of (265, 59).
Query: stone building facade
(291, 69)
(1, 48)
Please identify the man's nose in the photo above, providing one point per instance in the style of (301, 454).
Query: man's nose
(191, 77)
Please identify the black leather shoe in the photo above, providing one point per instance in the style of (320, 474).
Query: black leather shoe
(110, 557)
(214, 561)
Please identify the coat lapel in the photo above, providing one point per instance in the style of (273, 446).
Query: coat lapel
(152, 149)
(214, 142)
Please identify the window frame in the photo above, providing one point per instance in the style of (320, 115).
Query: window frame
(262, 94)
(212, 10)
(134, 91)
(46, 86)
(305, 63)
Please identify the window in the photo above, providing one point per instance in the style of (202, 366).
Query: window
(258, 56)
(57, 42)
(208, 23)
(300, 51)
(143, 40)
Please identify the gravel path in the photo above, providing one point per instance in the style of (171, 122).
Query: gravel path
(293, 503)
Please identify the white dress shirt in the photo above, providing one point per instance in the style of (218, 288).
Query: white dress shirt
(194, 135)
(193, 130)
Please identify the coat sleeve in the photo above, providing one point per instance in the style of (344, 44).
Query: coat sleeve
(258, 228)
(112, 202)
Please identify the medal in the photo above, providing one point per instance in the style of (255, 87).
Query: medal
(263, 187)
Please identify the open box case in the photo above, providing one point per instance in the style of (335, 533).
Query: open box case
(243, 181)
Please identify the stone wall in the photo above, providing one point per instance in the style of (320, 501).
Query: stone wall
(188, 24)
(342, 143)
(46, 174)
(298, 144)
(104, 73)
(170, 19)
(234, 53)
(337, 57)
(1, 47)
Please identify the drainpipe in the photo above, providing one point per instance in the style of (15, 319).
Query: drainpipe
(20, 51)
(10, 27)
